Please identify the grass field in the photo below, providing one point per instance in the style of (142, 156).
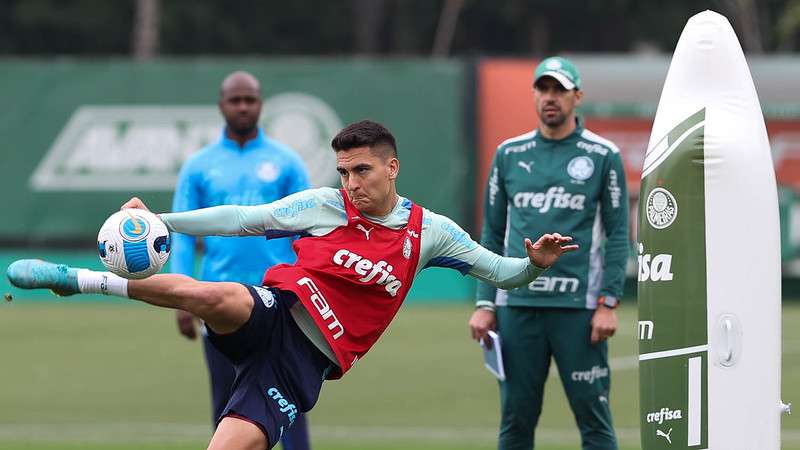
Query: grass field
(117, 376)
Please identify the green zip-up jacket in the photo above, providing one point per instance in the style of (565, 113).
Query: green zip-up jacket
(574, 186)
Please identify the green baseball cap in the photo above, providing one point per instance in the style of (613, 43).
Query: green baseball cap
(561, 69)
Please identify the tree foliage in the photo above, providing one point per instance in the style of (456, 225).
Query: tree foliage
(383, 27)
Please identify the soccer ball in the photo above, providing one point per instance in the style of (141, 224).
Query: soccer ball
(133, 243)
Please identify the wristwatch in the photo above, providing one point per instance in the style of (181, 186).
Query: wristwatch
(485, 304)
(608, 301)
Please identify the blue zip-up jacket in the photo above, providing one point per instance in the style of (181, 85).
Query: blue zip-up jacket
(225, 174)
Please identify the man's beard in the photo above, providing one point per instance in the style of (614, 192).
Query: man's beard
(554, 121)
(242, 131)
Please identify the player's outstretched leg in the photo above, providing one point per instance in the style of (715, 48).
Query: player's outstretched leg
(35, 274)
(223, 306)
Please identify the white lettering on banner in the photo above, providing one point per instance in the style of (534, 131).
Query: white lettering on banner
(646, 328)
(142, 147)
(654, 268)
(664, 414)
(555, 197)
(369, 270)
(589, 376)
(323, 308)
(553, 284)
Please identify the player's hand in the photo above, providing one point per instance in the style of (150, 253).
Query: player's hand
(186, 324)
(135, 203)
(480, 323)
(604, 324)
(548, 249)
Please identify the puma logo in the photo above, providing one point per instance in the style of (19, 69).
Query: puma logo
(364, 229)
(665, 435)
(527, 166)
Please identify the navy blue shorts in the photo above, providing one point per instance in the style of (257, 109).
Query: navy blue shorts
(279, 372)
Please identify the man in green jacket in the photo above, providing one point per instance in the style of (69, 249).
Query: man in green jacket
(559, 176)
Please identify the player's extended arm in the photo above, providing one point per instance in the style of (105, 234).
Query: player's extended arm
(541, 254)
(454, 248)
(296, 212)
(493, 229)
(508, 273)
(224, 220)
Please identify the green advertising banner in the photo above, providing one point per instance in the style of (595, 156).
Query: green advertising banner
(80, 138)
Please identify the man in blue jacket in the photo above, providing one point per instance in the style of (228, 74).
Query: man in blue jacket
(243, 168)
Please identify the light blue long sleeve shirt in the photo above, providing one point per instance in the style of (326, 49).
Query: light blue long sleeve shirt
(316, 212)
(223, 173)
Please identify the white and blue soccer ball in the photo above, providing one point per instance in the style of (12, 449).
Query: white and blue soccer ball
(133, 243)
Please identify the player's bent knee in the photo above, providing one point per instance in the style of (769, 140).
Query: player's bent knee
(224, 306)
(234, 433)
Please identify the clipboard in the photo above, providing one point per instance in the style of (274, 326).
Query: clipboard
(493, 358)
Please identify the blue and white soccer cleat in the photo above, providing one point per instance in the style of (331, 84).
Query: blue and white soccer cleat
(38, 274)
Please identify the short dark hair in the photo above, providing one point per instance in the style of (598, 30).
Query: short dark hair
(366, 133)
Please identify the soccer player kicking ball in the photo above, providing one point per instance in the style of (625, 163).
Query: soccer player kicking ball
(358, 252)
